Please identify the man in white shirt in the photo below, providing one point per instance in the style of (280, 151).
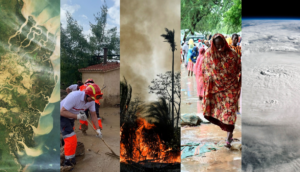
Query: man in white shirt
(84, 124)
(74, 87)
(72, 108)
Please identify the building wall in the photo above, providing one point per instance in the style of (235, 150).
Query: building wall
(112, 82)
(111, 79)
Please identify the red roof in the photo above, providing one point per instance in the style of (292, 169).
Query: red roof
(101, 67)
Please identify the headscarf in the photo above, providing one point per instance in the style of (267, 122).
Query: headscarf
(201, 51)
(229, 40)
(223, 70)
(213, 48)
(190, 51)
(191, 43)
(194, 55)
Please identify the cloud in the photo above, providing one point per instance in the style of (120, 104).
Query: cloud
(63, 11)
(114, 12)
(87, 34)
(84, 16)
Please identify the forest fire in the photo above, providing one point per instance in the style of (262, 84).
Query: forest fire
(142, 144)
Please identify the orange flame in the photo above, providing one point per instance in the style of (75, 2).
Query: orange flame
(143, 150)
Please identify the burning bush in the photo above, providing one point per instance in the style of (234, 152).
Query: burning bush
(148, 139)
(141, 142)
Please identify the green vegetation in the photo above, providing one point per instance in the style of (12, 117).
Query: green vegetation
(233, 18)
(210, 16)
(77, 49)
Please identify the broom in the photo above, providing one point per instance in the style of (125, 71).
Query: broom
(113, 154)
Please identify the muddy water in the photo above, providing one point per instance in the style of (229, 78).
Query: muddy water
(215, 161)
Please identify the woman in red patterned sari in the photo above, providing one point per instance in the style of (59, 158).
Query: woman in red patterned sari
(220, 71)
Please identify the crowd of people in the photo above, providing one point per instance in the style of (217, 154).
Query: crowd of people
(216, 64)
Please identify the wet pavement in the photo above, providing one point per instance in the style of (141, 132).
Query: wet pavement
(221, 160)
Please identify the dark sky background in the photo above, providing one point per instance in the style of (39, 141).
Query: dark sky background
(270, 9)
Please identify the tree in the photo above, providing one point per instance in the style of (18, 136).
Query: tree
(160, 112)
(169, 37)
(125, 94)
(75, 51)
(233, 17)
(205, 16)
(136, 107)
(101, 36)
(162, 85)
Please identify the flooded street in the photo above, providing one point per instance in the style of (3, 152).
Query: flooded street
(219, 159)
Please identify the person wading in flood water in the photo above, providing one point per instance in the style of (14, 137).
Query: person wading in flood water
(220, 71)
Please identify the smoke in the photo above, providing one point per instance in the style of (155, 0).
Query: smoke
(143, 50)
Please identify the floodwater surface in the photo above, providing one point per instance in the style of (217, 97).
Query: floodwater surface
(220, 160)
